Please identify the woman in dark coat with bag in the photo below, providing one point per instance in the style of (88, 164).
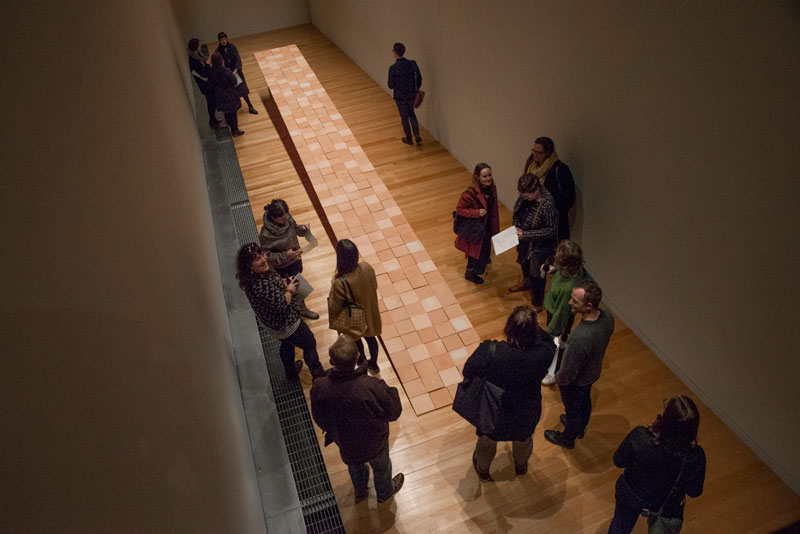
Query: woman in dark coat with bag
(227, 98)
(555, 175)
(536, 220)
(517, 366)
(479, 201)
(663, 464)
(230, 54)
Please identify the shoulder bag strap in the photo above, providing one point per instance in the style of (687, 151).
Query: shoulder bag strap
(674, 486)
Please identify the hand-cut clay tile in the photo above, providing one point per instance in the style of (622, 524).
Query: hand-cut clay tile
(428, 335)
(442, 361)
(441, 397)
(469, 336)
(450, 376)
(435, 347)
(452, 342)
(432, 382)
(414, 388)
(401, 358)
(404, 327)
(421, 321)
(422, 404)
(407, 373)
(425, 367)
(411, 339)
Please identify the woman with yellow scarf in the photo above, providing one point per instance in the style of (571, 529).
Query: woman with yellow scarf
(555, 175)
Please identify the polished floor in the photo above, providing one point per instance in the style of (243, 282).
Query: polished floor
(564, 491)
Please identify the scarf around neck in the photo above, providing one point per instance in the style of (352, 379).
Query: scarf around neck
(276, 229)
(540, 171)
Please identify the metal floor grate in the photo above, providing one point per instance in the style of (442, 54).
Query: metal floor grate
(318, 502)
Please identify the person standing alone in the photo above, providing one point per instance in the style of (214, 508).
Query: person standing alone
(405, 80)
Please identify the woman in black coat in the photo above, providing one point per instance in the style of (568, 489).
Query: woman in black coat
(200, 67)
(663, 464)
(227, 99)
(555, 175)
(230, 54)
(518, 366)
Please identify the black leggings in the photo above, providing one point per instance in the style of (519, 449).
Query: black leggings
(372, 344)
(232, 121)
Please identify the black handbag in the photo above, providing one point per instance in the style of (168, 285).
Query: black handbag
(470, 228)
(478, 401)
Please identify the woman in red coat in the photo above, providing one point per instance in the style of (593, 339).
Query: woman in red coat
(479, 201)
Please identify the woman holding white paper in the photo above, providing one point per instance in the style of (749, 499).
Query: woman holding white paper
(479, 201)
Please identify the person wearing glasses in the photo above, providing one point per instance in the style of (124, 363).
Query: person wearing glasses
(555, 175)
(663, 464)
(273, 301)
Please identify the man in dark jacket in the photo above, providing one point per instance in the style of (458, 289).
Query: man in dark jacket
(582, 363)
(405, 80)
(354, 411)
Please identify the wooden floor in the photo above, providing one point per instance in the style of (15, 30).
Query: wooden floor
(564, 491)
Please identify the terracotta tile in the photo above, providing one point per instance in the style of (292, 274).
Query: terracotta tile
(400, 250)
(450, 376)
(389, 331)
(435, 347)
(452, 389)
(421, 256)
(422, 404)
(417, 281)
(411, 339)
(381, 306)
(452, 342)
(397, 275)
(393, 301)
(407, 373)
(390, 232)
(400, 313)
(460, 323)
(444, 329)
(386, 318)
(421, 321)
(408, 297)
(432, 382)
(387, 290)
(471, 347)
(395, 241)
(425, 291)
(431, 304)
(406, 261)
(370, 226)
(380, 244)
(441, 397)
(402, 285)
(404, 327)
(414, 308)
(460, 355)
(443, 361)
(453, 311)
(375, 236)
(434, 277)
(391, 265)
(398, 220)
(385, 255)
(428, 335)
(417, 353)
(437, 316)
(446, 298)
(394, 345)
(469, 336)
(413, 270)
(426, 266)
(425, 367)
(401, 358)
(414, 388)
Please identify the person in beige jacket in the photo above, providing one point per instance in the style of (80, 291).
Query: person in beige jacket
(364, 285)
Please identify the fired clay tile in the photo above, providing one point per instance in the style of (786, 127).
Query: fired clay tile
(433, 277)
(417, 281)
(438, 316)
(404, 327)
(421, 321)
(422, 404)
(389, 331)
(442, 361)
(425, 367)
(460, 323)
(414, 308)
(432, 382)
(450, 376)
(406, 261)
(402, 286)
(396, 275)
(453, 311)
(441, 397)
(395, 344)
(435, 347)
(469, 336)
(414, 387)
(400, 313)
(409, 296)
(417, 353)
(391, 265)
(426, 266)
(452, 389)
(430, 304)
(411, 339)
(424, 292)
(452, 342)
(407, 373)
(428, 334)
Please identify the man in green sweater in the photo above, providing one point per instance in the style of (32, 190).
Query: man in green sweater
(583, 362)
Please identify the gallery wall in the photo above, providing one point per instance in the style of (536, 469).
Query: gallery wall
(120, 403)
(204, 19)
(681, 124)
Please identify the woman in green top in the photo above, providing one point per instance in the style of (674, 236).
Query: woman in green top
(567, 271)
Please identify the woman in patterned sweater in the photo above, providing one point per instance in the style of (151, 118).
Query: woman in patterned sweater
(272, 299)
(536, 220)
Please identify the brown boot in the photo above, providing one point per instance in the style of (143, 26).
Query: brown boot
(523, 284)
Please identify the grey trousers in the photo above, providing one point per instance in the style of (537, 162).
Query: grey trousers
(486, 449)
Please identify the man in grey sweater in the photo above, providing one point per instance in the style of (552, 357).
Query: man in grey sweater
(583, 362)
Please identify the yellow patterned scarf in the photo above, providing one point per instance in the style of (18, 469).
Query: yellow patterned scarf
(540, 171)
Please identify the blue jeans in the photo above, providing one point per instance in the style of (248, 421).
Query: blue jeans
(381, 472)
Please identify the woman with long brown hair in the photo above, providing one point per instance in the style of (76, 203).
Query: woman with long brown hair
(479, 201)
(663, 463)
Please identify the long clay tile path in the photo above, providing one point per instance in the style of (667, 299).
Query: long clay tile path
(425, 331)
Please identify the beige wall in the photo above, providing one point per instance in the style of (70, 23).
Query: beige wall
(120, 402)
(204, 19)
(680, 122)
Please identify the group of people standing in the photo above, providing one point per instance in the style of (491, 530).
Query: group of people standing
(662, 462)
(221, 80)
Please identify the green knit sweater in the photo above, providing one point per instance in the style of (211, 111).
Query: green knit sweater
(556, 300)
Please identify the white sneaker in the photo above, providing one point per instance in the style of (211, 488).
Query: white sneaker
(549, 380)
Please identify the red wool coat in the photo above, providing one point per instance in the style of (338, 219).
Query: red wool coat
(469, 206)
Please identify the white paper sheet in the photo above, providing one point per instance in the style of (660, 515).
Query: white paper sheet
(304, 289)
(312, 242)
(505, 240)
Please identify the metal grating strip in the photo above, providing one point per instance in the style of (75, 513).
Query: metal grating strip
(230, 171)
(318, 502)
